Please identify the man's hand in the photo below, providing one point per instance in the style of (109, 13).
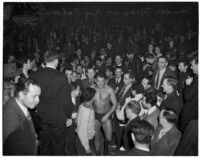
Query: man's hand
(68, 122)
(88, 151)
(104, 119)
(188, 81)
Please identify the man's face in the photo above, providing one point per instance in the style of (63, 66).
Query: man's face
(100, 82)
(90, 73)
(118, 73)
(74, 77)
(165, 86)
(182, 67)
(145, 83)
(127, 79)
(162, 63)
(118, 60)
(68, 73)
(194, 67)
(98, 63)
(31, 98)
(108, 73)
(79, 69)
(76, 92)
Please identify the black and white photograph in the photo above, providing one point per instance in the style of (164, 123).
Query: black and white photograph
(98, 78)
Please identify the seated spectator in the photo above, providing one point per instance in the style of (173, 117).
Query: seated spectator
(166, 136)
(141, 133)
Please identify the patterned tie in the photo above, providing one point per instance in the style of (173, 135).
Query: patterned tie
(121, 94)
(157, 79)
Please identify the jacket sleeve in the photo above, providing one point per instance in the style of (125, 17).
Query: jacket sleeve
(83, 119)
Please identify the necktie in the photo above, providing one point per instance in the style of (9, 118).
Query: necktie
(121, 94)
(157, 79)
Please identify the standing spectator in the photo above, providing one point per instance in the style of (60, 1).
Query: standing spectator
(19, 136)
(86, 124)
(167, 136)
(190, 108)
(53, 106)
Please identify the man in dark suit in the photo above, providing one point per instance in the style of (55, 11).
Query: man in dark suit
(19, 136)
(117, 82)
(162, 72)
(135, 64)
(89, 81)
(171, 99)
(141, 133)
(123, 93)
(53, 106)
(190, 108)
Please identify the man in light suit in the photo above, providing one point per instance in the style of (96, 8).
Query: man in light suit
(19, 136)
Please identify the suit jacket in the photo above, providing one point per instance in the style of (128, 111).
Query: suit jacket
(55, 96)
(190, 108)
(136, 66)
(173, 101)
(19, 137)
(127, 140)
(126, 95)
(153, 118)
(133, 152)
(86, 83)
(116, 86)
(167, 72)
(166, 145)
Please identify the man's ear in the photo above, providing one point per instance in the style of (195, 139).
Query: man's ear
(21, 95)
(133, 137)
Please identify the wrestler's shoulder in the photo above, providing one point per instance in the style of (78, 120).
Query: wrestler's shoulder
(109, 88)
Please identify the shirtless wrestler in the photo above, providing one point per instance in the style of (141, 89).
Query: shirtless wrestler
(104, 105)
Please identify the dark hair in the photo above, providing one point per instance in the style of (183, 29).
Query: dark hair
(151, 98)
(73, 86)
(50, 55)
(163, 57)
(110, 68)
(24, 84)
(170, 115)
(100, 74)
(195, 59)
(88, 94)
(185, 63)
(172, 81)
(130, 73)
(68, 67)
(134, 106)
(142, 130)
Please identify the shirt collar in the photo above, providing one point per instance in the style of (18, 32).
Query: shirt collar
(142, 148)
(23, 108)
(151, 110)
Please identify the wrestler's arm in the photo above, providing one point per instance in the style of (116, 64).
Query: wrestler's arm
(113, 100)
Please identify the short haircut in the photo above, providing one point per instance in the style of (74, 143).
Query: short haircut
(134, 106)
(142, 130)
(50, 55)
(100, 74)
(163, 57)
(151, 98)
(91, 66)
(149, 56)
(88, 94)
(110, 68)
(74, 86)
(172, 81)
(195, 59)
(24, 84)
(68, 67)
(185, 63)
(130, 73)
(170, 115)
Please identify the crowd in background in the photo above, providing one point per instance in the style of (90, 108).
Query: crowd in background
(131, 55)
